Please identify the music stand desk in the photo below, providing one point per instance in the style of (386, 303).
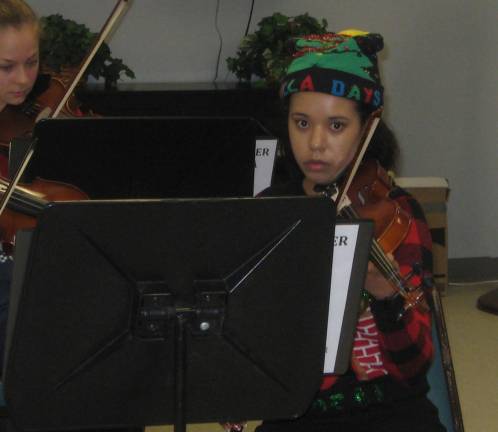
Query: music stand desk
(149, 312)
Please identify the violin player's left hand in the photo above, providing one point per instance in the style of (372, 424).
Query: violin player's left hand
(376, 284)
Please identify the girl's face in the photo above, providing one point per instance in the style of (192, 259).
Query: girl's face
(18, 63)
(324, 132)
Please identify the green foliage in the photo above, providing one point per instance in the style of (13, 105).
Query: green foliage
(266, 53)
(65, 43)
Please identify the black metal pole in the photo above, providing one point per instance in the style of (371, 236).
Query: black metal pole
(180, 425)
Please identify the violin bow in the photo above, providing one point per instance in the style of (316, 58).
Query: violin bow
(342, 200)
(368, 132)
(17, 176)
(117, 12)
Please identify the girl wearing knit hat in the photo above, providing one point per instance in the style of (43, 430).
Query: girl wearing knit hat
(332, 88)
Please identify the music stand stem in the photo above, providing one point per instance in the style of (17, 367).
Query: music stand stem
(180, 425)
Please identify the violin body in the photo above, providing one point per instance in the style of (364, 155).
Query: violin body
(13, 123)
(19, 121)
(369, 196)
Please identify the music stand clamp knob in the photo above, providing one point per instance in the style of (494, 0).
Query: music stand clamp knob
(211, 298)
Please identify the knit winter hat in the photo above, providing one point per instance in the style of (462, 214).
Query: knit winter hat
(341, 64)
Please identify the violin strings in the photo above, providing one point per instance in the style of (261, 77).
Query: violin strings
(389, 270)
(378, 256)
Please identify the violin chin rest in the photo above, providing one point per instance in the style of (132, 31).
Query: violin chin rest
(44, 113)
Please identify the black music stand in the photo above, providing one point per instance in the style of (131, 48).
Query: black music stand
(149, 312)
(146, 157)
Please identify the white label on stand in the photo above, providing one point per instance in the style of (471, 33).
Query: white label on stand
(264, 161)
(344, 248)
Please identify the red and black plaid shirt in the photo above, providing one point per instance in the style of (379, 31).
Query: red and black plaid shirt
(406, 343)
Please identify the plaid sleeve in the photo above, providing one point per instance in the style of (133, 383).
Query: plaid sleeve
(407, 342)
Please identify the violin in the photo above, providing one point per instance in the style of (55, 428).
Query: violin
(58, 97)
(27, 201)
(19, 205)
(19, 121)
(369, 195)
(368, 198)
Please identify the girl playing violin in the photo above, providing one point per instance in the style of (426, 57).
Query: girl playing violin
(19, 63)
(19, 58)
(331, 88)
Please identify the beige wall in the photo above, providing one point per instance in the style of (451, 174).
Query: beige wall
(439, 65)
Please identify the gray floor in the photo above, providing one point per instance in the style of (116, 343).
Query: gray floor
(473, 337)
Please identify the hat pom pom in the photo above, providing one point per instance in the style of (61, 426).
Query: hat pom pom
(371, 43)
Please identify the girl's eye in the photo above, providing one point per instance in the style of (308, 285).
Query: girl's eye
(32, 63)
(302, 124)
(6, 68)
(336, 126)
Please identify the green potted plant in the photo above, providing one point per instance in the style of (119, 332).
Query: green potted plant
(65, 43)
(266, 53)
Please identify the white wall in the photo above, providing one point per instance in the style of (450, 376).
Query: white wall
(439, 67)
